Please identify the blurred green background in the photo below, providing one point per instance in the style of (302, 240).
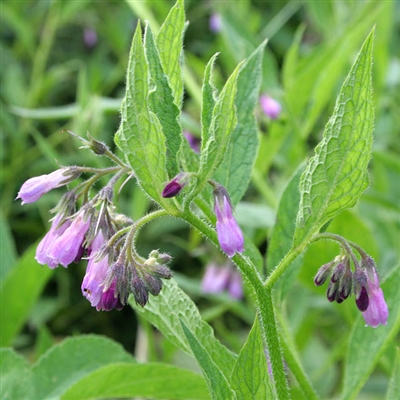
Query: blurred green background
(63, 65)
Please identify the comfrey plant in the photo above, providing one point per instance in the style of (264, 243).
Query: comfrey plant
(202, 187)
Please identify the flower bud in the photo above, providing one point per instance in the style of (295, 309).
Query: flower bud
(324, 272)
(270, 106)
(361, 289)
(174, 187)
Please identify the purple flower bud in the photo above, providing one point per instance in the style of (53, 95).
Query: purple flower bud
(44, 248)
(173, 187)
(323, 273)
(194, 142)
(215, 279)
(139, 290)
(215, 23)
(332, 291)
(270, 106)
(338, 272)
(33, 189)
(377, 312)
(361, 289)
(109, 300)
(230, 236)
(67, 246)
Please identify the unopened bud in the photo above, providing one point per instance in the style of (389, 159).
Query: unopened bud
(173, 187)
(98, 147)
(361, 289)
(323, 273)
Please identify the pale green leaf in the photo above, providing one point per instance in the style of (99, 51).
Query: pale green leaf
(394, 385)
(250, 377)
(368, 344)
(16, 376)
(71, 360)
(21, 287)
(337, 175)
(169, 43)
(162, 104)
(172, 305)
(235, 171)
(152, 380)
(217, 382)
(8, 254)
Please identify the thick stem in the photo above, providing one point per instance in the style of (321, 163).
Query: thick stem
(264, 301)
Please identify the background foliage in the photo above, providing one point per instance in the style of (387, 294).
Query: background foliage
(51, 78)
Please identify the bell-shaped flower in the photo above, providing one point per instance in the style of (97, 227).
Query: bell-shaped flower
(377, 312)
(45, 246)
(33, 189)
(271, 107)
(68, 246)
(230, 236)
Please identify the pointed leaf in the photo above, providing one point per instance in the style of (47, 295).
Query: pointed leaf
(152, 380)
(250, 377)
(172, 305)
(217, 382)
(169, 43)
(337, 175)
(140, 135)
(162, 104)
(235, 171)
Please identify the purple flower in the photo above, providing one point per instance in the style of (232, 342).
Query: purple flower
(44, 248)
(33, 189)
(377, 312)
(215, 23)
(67, 246)
(219, 279)
(173, 187)
(194, 142)
(90, 37)
(270, 106)
(230, 236)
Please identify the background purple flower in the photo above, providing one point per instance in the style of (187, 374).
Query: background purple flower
(270, 106)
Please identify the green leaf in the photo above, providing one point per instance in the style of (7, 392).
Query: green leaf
(152, 380)
(222, 124)
(21, 287)
(140, 135)
(169, 43)
(250, 377)
(394, 385)
(165, 312)
(8, 254)
(73, 359)
(235, 171)
(217, 382)
(368, 344)
(209, 97)
(16, 376)
(162, 104)
(337, 175)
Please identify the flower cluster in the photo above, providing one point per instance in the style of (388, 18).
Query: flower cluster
(96, 232)
(363, 282)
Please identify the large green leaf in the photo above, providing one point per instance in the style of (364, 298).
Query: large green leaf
(217, 382)
(170, 307)
(169, 43)
(16, 376)
(250, 377)
(156, 381)
(394, 386)
(67, 363)
(368, 344)
(235, 171)
(162, 104)
(140, 135)
(19, 291)
(337, 175)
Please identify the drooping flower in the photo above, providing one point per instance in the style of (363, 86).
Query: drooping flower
(68, 246)
(194, 142)
(173, 187)
(34, 188)
(270, 106)
(377, 312)
(44, 248)
(230, 236)
(218, 279)
(215, 23)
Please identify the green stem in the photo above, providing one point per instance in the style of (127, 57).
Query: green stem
(265, 304)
